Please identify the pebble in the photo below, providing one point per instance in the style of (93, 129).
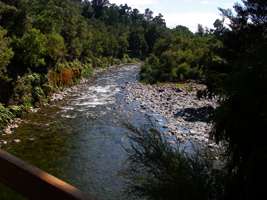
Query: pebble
(17, 140)
(3, 142)
(31, 139)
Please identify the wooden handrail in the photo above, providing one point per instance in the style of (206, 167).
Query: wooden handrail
(34, 183)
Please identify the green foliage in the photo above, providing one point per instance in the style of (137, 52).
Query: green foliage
(6, 52)
(149, 70)
(46, 34)
(182, 55)
(14, 20)
(32, 49)
(49, 19)
(16, 110)
(87, 70)
(160, 170)
(137, 43)
(28, 91)
(5, 116)
(182, 30)
(180, 58)
(67, 73)
(55, 47)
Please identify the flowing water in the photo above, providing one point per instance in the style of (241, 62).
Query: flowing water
(82, 139)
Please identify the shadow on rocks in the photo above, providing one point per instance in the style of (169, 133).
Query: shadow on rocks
(202, 114)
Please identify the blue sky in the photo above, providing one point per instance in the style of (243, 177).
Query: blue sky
(183, 12)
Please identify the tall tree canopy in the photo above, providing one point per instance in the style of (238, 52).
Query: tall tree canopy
(241, 77)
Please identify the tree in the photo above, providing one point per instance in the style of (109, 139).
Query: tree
(241, 117)
(136, 16)
(125, 9)
(152, 35)
(159, 20)
(137, 43)
(182, 30)
(6, 55)
(200, 30)
(148, 15)
(123, 44)
(50, 18)
(14, 19)
(87, 9)
(55, 47)
(98, 6)
(219, 27)
(31, 49)
(6, 52)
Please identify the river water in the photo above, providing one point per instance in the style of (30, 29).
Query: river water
(82, 138)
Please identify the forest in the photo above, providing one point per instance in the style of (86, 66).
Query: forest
(46, 45)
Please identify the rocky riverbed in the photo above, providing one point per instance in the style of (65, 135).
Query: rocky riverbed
(186, 116)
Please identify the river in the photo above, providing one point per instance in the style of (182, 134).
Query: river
(82, 138)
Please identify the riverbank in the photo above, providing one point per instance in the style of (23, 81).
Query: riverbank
(186, 117)
(60, 95)
(15, 120)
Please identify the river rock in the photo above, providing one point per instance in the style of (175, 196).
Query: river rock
(17, 140)
(187, 117)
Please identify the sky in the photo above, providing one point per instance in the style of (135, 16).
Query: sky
(189, 13)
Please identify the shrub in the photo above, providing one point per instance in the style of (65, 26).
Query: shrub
(87, 70)
(182, 71)
(23, 90)
(67, 76)
(67, 73)
(126, 59)
(38, 95)
(116, 61)
(5, 116)
(48, 89)
(16, 110)
(149, 70)
(28, 90)
(159, 170)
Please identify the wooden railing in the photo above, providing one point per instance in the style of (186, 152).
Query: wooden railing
(34, 183)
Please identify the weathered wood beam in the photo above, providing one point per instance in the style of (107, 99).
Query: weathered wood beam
(33, 183)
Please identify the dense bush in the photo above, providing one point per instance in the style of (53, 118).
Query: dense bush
(31, 49)
(180, 58)
(28, 90)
